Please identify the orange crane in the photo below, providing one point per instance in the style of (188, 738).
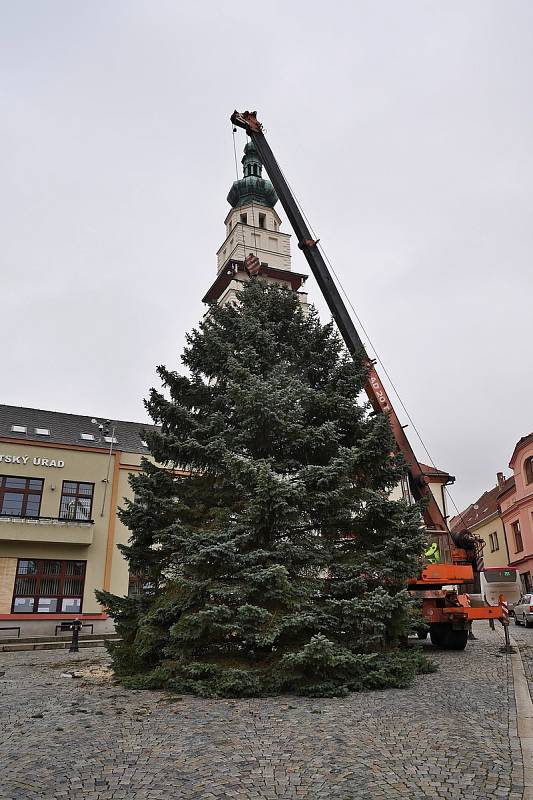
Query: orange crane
(448, 613)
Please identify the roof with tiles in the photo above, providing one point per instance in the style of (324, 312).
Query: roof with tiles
(518, 446)
(483, 508)
(59, 428)
(428, 470)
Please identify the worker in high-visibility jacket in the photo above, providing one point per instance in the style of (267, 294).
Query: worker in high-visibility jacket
(432, 554)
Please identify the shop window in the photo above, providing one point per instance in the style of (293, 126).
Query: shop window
(76, 501)
(48, 586)
(517, 533)
(20, 497)
(528, 469)
(494, 544)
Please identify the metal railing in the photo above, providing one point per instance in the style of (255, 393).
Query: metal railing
(53, 520)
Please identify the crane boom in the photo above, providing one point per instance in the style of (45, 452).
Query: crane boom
(374, 388)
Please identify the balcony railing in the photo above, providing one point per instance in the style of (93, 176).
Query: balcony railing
(59, 530)
(44, 520)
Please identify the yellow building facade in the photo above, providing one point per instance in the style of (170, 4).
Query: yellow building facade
(62, 479)
(483, 519)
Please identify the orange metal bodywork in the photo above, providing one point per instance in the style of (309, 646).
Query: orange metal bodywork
(443, 575)
(434, 613)
(438, 606)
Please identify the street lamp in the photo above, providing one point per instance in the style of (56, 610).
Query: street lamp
(107, 430)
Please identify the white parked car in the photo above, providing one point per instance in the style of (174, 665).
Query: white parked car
(523, 611)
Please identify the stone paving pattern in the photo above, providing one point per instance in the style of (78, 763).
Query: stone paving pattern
(451, 735)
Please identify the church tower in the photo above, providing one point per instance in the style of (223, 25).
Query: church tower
(253, 229)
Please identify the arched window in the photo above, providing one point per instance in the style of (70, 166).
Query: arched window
(528, 469)
(255, 169)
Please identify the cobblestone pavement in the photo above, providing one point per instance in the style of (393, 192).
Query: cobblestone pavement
(451, 735)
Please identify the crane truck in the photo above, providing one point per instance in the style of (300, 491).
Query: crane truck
(447, 611)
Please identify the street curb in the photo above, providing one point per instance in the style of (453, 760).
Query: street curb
(524, 718)
(58, 645)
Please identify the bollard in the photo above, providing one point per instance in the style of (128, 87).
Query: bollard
(507, 640)
(505, 622)
(75, 628)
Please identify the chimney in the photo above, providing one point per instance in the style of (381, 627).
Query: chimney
(500, 478)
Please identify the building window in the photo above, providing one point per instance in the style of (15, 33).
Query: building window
(517, 533)
(42, 431)
(135, 585)
(262, 220)
(406, 490)
(494, 543)
(20, 497)
(244, 219)
(528, 469)
(525, 578)
(19, 428)
(44, 586)
(76, 501)
(88, 437)
(138, 585)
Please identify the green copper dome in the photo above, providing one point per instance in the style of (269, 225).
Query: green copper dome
(252, 188)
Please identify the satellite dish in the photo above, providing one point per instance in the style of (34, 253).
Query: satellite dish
(93, 421)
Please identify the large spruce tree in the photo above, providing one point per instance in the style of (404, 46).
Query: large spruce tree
(278, 562)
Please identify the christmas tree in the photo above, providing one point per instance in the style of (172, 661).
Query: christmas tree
(276, 561)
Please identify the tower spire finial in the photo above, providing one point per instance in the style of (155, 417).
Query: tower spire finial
(252, 187)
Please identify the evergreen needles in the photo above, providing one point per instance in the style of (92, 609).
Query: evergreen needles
(275, 560)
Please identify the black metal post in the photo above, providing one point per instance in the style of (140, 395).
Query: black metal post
(75, 628)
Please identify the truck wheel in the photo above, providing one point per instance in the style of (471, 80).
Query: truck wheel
(456, 640)
(443, 635)
(437, 633)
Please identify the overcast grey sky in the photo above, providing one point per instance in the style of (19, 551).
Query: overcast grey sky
(406, 129)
